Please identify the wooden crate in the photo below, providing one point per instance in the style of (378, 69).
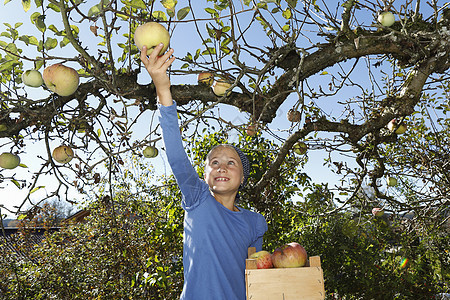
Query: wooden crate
(284, 283)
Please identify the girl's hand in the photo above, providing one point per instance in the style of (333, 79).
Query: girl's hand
(157, 68)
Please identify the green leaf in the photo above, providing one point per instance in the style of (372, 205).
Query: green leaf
(95, 10)
(33, 40)
(36, 189)
(287, 14)
(210, 10)
(21, 217)
(292, 3)
(160, 15)
(16, 183)
(38, 20)
(50, 43)
(182, 13)
(169, 4)
(26, 5)
(64, 42)
(139, 4)
(38, 63)
(286, 28)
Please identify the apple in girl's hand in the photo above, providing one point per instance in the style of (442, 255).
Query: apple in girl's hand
(151, 34)
(205, 79)
(150, 151)
(377, 212)
(220, 87)
(263, 259)
(291, 255)
(9, 160)
(32, 78)
(63, 154)
(61, 79)
(386, 18)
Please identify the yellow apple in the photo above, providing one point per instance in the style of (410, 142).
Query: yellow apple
(63, 154)
(150, 151)
(9, 160)
(32, 78)
(386, 18)
(300, 148)
(205, 79)
(220, 87)
(391, 181)
(61, 79)
(151, 34)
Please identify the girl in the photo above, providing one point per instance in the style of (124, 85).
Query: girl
(217, 233)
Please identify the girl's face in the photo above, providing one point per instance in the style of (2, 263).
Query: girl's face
(223, 170)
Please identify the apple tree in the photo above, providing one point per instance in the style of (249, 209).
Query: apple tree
(343, 70)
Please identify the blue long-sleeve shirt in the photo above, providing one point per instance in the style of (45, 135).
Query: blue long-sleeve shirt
(215, 239)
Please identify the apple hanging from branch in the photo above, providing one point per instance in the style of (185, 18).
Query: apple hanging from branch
(151, 34)
(293, 115)
(300, 148)
(63, 154)
(398, 128)
(386, 18)
(377, 212)
(9, 160)
(205, 79)
(61, 79)
(150, 152)
(32, 78)
(221, 87)
(391, 181)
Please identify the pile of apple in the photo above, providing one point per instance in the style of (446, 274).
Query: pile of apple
(291, 255)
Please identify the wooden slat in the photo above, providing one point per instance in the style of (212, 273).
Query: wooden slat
(285, 284)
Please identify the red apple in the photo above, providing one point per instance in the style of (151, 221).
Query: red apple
(263, 259)
(291, 255)
(205, 79)
(61, 79)
(293, 115)
(377, 212)
(251, 130)
(63, 154)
